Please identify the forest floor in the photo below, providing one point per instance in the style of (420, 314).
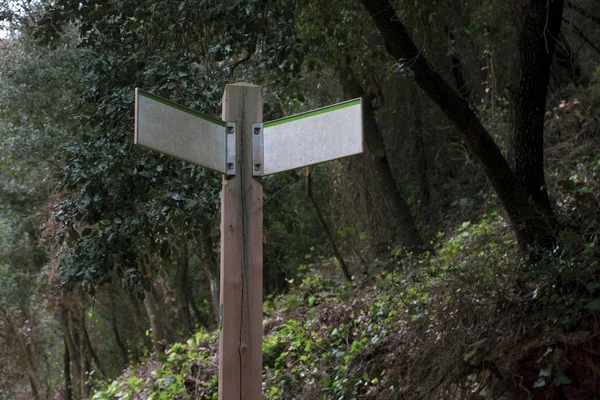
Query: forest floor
(471, 319)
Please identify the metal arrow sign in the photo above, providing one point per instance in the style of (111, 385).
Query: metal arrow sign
(183, 133)
(309, 138)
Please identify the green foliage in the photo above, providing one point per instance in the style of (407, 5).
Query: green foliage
(36, 85)
(185, 365)
(122, 203)
(316, 351)
(325, 344)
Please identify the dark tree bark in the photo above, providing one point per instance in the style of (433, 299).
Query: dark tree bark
(163, 331)
(274, 274)
(204, 250)
(537, 42)
(565, 67)
(212, 274)
(70, 343)
(325, 227)
(406, 230)
(584, 12)
(115, 327)
(162, 313)
(457, 72)
(23, 350)
(423, 168)
(584, 38)
(89, 347)
(67, 371)
(83, 364)
(184, 301)
(531, 226)
(140, 324)
(196, 310)
(158, 334)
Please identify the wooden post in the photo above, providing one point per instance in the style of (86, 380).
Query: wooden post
(240, 337)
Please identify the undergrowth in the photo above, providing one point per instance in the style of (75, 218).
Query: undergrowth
(470, 319)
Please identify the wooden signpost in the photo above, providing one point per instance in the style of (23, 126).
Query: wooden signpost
(243, 148)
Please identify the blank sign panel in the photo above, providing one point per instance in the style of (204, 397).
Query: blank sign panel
(310, 138)
(180, 132)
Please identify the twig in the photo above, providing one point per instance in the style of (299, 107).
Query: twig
(324, 226)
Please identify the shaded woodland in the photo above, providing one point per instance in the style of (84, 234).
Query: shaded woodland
(457, 258)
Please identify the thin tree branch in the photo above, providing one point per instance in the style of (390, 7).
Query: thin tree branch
(324, 226)
(583, 12)
(583, 37)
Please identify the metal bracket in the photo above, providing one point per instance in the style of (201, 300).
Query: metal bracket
(257, 150)
(230, 132)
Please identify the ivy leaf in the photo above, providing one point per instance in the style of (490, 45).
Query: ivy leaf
(539, 383)
(593, 305)
(561, 379)
(593, 286)
(546, 371)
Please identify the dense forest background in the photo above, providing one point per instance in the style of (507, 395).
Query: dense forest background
(457, 258)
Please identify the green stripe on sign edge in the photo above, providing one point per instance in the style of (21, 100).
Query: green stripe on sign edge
(180, 107)
(312, 113)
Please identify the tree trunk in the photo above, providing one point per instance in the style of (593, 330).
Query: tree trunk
(531, 226)
(67, 371)
(582, 36)
(324, 226)
(457, 71)
(208, 259)
(25, 355)
(170, 333)
(422, 164)
(141, 324)
(386, 187)
(584, 12)
(36, 386)
(196, 310)
(537, 41)
(566, 68)
(158, 333)
(210, 268)
(90, 348)
(115, 327)
(83, 364)
(184, 302)
(72, 351)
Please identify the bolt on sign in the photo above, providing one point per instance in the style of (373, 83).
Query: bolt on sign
(243, 148)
